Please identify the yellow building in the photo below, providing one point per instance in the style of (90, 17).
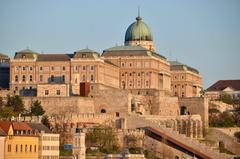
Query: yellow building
(20, 142)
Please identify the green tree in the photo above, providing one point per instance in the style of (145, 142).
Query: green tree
(103, 137)
(1, 102)
(237, 135)
(226, 98)
(36, 108)
(16, 103)
(7, 112)
(45, 121)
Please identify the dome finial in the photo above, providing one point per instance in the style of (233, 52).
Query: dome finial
(138, 17)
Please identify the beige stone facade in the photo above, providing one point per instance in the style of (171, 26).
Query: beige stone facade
(185, 81)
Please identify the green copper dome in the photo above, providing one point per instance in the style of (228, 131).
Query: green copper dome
(138, 31)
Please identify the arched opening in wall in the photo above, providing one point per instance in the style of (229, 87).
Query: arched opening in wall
(140, 113)
(183, 110)
(103, 111)
(177, 157)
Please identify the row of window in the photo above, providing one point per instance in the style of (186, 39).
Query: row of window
(24, 68)
(52, 68)
(21, 148)
(50, 148)
(84, 78)
(131, 84)
(138, 64)
(50, 157)
(139, 74)
(52, 78)
(24, 78)
(76, 68)
(49, 138)
(58, 92)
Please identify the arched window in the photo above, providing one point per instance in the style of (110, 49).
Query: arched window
(103, 111)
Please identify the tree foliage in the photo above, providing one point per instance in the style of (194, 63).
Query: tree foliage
(226, 98)
(45, 121)
(36, 108)
(237, 135)
(16, 103)
(7, 112)
(1, 102)
(103, 137)
(225, 119)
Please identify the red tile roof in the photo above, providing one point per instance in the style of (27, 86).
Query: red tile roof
(21, 126)
(222, 84)
(5, 125)
(2, 133)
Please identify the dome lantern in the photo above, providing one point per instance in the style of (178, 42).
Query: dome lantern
(138, 33)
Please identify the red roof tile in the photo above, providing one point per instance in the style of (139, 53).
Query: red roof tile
(222, 84)
(21, 126)
(5, 125)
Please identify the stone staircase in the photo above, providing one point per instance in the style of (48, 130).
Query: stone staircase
(136, 121)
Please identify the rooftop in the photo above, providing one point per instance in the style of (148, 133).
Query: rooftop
(176, 65)
(222, 84)
(40, 127)
(53, 57)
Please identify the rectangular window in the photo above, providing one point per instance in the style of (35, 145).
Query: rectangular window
(147, 83)
(52, 68)
(40, 68)
(46, 92)
(23, 68)
(30, 68)
(23, 78)
(30, 78)
(9, 147)
(63, 68)
(91, 67)
(92, 78)
(58, 92)
(16, 148)
(63, 78)
(41, 78)
(16, 78)
(76, 68)
(16, 68)
(83, 78)
(83, 68)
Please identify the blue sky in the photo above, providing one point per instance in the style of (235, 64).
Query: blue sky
(204, 34)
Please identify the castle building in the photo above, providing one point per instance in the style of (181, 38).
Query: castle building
(135, 66)
(185, 80)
